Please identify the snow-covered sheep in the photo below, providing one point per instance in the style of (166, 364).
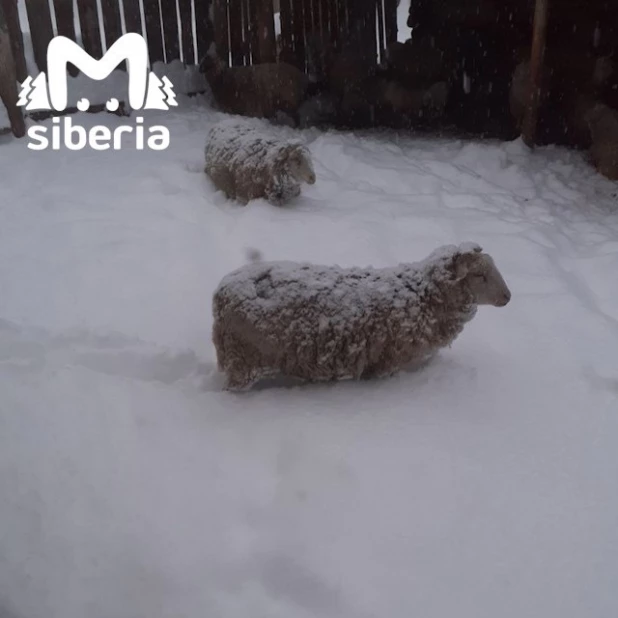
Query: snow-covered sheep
(321, 323)
(259, 90)
(248, 164)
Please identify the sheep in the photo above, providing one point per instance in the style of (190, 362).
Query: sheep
(259, 90)
(321, 323)
(603, 123)
(248, 164)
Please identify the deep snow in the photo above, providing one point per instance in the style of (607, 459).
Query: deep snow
(482, 486)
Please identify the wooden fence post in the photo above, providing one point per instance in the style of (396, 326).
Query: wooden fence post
(204, 27)
(537, 53)
(170, 30)
(221, 30)
(390, 21)
(154, 34)
(39, 18)
(89, 26)
(266, 30)
(8, 79)
(186, 32)
(11, 14)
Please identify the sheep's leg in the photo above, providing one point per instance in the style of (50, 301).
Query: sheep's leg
(274, 192)
(241, 363)
(239, 380)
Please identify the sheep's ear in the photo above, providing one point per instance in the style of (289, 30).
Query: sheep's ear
(463, 264)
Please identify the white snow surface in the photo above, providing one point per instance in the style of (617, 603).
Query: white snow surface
(483, 485)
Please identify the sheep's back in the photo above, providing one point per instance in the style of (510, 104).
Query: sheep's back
(289, 294)
(236, 144)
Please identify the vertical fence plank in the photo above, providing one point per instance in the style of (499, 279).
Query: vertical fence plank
(89, 26)
(307, 29)
(236, 43)
(342, 19)
(287, 32)
(539, 32)
(64, 18)
(381, 37)
(369, 36)
(170, 30)
(111, 21)
(8, 84)
(154, 33)
(298, 21)
(246, 31)
(11, 15)
(186, 31)
(334, 24)
(204, 27)
(132, 17)
(222, 31)
(254, 39)
(66, 25)
(266, 30)
(390, 21)
(39, 18)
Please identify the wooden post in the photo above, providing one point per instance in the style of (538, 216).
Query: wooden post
(221, 30)
(298, 19)
(41, 30)
(8, 80)
(266, 31)
(11, 15)
(390, 21)
(112, 25)
(154, 32)
(236, 33)
(537, 53)
(132, 17)
(204, 28)
(186, 32)
(287, 32)
(171, 40)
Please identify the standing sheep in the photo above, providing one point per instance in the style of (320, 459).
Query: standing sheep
(321, 323)
(248, 164)
(259, 90)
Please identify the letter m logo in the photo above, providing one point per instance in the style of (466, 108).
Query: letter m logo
(131, 47)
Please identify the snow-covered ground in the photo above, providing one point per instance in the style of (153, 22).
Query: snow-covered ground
(133, 487)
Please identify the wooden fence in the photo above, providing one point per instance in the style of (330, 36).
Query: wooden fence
(245, 33)
(243, 30)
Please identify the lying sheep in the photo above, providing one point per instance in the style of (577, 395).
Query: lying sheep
(247, 164)
(259, 90)
(603, 123)
(321, 323)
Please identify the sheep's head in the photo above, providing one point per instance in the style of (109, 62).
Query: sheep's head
(478, 273)
(299, 165)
